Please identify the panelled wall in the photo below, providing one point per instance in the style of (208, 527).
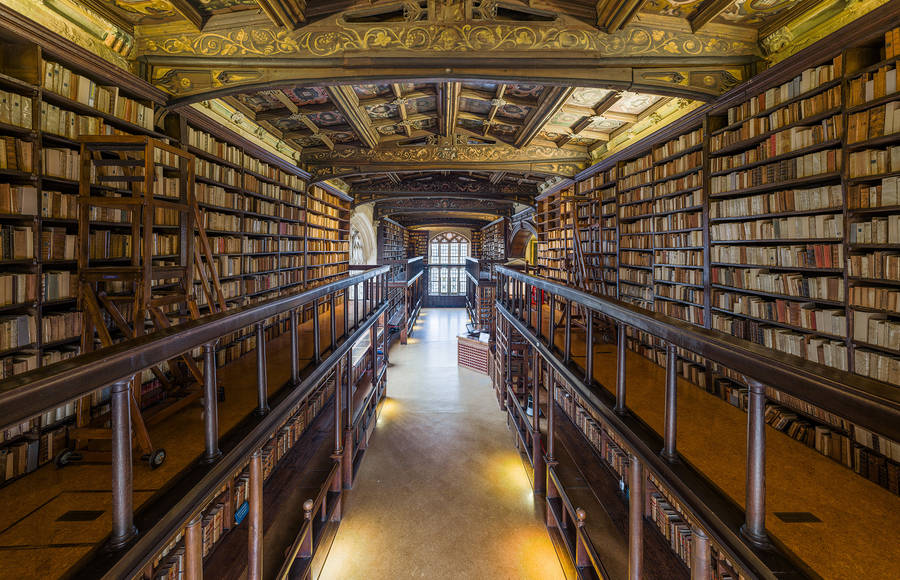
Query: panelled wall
(270, 234)
(775, 219)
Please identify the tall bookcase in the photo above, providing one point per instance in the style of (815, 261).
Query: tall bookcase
(393, 244)
(775, 217)
(597, 231)
(46, 104)
(327, 237)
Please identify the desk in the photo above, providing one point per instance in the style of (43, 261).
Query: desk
(474, 352)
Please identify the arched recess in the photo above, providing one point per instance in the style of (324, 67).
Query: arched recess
(363, 241)
(519, 239)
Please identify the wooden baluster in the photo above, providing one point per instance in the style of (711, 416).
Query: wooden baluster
(754, 527)
(193, 549)
(671, 410)
(700, 566)
(255, 532)
(581, 555)
(306, 547)
(262, 382)
(211, 453)
(621, 361)
(123, 530)
(635, 519)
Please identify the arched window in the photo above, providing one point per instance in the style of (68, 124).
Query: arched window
(447, 254)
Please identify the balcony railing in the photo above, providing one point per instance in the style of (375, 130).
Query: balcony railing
(30, 394)
(868, 403)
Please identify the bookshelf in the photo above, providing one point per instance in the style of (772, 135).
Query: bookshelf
(393, 246)
(555, 246)
(328, 236)
(221, 513)
(679, 239)
(635, 221)
(46, 104)
(773, 218)
(418, 244)
(597, 231)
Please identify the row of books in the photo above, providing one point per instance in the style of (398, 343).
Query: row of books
(781, 143)
(799, 256)
(678, 165)
(876, 329)
(60, 326)
(823, 226)
(874, 297)
(16, 155)
(878, 230)
(824, 351)
(805, 82)
(788, 284)
(677, 145)
(875, 265)
(16, 109)
(873, 85)
(808, 165)
(799, 314)
(58, 244)
(107, 99)
(790, 200)
(874, 161)
(875, 122)
(886, 193)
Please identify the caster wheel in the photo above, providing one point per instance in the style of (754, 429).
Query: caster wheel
(157, 458)
(65, 457)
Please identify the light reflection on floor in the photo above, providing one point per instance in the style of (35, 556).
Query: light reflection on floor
(442, 492)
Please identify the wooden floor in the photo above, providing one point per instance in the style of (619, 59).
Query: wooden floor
(859, 533)
(37, 541)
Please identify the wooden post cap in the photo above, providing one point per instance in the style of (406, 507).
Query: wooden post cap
(580, 515)
(307, 508)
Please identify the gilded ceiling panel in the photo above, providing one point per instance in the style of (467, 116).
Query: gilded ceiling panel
(634, 103)
(421, 105)
(587, 97)
(308, 95)
(382, 111)
(370, 91)
(677, 8)
(753, 13)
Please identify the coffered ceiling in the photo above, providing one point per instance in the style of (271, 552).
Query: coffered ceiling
(428, 106)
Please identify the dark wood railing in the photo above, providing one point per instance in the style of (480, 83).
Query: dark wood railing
(871, 404)
(29, 394)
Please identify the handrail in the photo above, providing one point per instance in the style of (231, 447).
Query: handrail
(294, 551)
(580, 534)
(30, 394)
(869, 403)
(151, 541)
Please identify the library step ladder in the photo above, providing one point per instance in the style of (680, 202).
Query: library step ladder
(135, 270)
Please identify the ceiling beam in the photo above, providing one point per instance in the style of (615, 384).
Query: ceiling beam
(324, 130)
(706, 12)
(601, 109)
(401, 108)
(448, 107)
(387, 100)
(303, 118)
(280, 113)
(285, 13)
(614, 15)
(344, 97)
(496, 103)
(477, 95)
(787, 16)
(190, 13)
(551, 102)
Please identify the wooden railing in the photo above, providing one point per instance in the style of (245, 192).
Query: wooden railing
(742, 535)
(30, 394)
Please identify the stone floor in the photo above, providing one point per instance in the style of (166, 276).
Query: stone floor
(442, 492)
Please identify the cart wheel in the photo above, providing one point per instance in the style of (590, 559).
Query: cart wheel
(65, 457)
(157, 458)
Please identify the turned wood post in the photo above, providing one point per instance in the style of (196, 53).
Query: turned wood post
(255, 532)
(581, 555)
(295, 362)
(621, 361)
(262, 382)
(700, 568)
(193, 549)
(210, 405)
(306, 547)
(635, 519)
(754, 527)
(123, 530)
(540, 474)
(671, 411)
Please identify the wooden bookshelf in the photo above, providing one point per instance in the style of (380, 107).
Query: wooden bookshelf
(393, 246)
(774, 218)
